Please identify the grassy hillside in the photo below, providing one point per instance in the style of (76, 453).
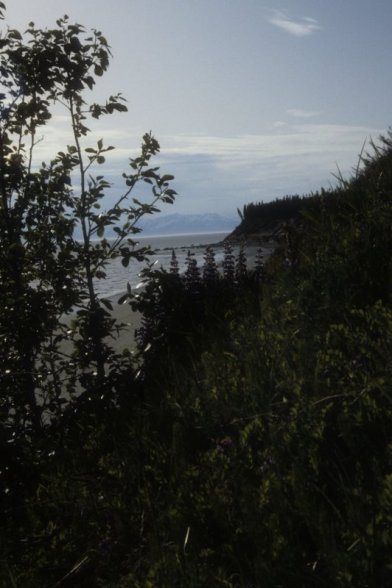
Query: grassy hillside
(254, 446)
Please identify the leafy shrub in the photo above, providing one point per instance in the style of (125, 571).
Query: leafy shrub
(254, 448)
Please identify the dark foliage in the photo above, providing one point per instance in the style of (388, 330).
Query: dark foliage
(46, 273)
(253, 447)
(268, 215)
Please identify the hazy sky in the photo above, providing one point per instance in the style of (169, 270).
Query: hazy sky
(250, 100)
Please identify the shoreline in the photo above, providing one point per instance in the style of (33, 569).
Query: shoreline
(117, 276)
(132, 319)
(123, 313)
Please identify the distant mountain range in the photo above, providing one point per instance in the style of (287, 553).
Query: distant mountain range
(175, 224)
(178, 224)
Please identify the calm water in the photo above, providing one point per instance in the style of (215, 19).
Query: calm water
(117, 275)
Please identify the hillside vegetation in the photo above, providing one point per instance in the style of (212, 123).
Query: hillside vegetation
(262, 216)
(253, 447)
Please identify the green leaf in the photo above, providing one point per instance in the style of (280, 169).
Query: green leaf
(120, 107)
(14, 34)
(90, 82)
(107, 303)
(167, 178)
(123, 299)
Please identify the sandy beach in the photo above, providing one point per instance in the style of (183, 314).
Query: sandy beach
(131, 320)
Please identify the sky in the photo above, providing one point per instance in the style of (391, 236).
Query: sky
(249, 100)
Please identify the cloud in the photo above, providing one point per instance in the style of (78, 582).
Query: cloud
(301, 113)
(300, 28)
(294, 140)
(218, 174)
